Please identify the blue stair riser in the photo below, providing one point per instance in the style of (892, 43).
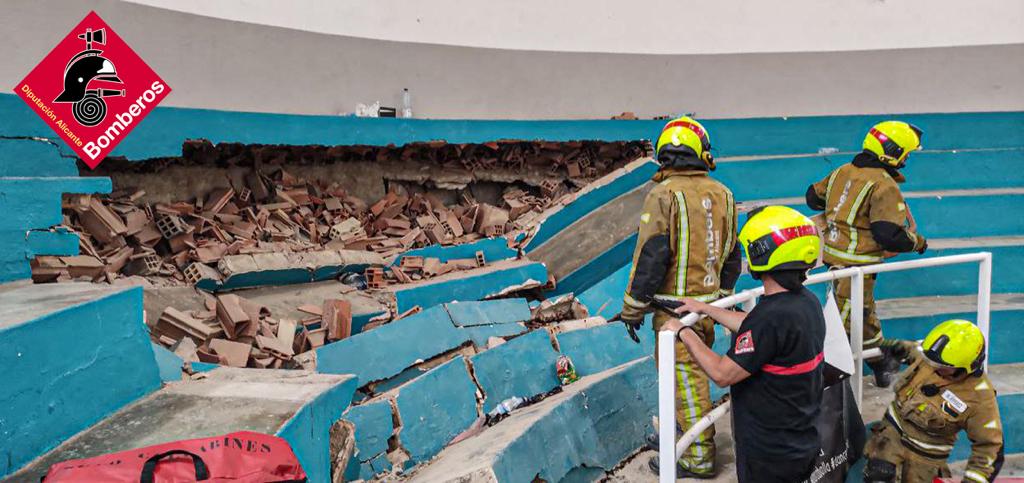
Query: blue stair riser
(957, 216)
(1005, 334)
(924, 172)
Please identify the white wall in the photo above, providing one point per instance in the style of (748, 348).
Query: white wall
(641, 26)
(223, 64)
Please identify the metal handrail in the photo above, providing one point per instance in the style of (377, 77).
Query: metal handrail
(748, 298)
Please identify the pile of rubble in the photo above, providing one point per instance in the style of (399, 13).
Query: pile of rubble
(274, 211)
(234, 331)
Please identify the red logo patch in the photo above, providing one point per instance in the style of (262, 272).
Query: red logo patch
(92, 89)
(744, 343)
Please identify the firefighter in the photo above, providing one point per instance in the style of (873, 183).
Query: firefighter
(945, 390)
(867, 220)
(774, 366)
(686, 247)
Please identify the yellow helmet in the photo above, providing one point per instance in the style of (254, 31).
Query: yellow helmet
(893, 141)
(779, 237)
(688, 136)
(956, 343)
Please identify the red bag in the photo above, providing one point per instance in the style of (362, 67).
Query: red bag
(244, 456)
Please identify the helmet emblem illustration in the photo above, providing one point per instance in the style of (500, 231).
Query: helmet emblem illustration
(87, 66)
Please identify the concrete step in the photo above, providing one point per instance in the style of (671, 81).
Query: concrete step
(72, 353)
(912, 319)
(295, 405)
(580, 433)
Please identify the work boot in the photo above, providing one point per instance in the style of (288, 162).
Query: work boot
(885, 369)
(653, 443)
(680, 471)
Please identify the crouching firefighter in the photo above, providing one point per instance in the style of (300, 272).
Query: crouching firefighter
(944, 391)
(686, 247)
(867, 220)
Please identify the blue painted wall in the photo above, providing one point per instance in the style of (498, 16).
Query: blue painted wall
(168, 363)
(603, 347)
(68, 369)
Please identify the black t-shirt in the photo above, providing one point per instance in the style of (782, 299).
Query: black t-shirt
(781, 344)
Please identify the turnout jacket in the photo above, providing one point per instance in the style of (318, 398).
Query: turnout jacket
(686, 244)
(865, 213)
(929, 411)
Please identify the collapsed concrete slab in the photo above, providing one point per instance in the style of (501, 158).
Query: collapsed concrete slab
(595, 423)
(298, 406)
(263, 269)
(434, 408)
(488, 312)
(488, 281)
(616, 348)
(493, 249)
(387, 350)
(482, 335)
(522, 367)
(373, 427)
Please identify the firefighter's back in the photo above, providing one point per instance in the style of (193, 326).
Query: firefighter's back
(850, 193)
(702, 234)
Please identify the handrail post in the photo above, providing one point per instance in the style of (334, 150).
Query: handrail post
(857, 332)
(985, 299)
(666, 406)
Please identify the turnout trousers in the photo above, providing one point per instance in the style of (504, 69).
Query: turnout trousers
(693, 399)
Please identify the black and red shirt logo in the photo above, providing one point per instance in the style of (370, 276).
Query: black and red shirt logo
(92, 89)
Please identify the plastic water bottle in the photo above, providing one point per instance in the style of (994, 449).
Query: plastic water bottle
(406, 103)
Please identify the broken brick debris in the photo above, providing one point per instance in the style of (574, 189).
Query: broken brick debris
(230, 314)
(268, 209)
(337, 318)
(232, 330)
(235, 354)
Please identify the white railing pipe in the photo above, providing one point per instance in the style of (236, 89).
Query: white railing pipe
(666, 404)
(985, 299)
(702, 424)
(857, 332)
(666, 341)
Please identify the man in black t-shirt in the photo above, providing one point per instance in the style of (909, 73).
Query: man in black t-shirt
(774, 365)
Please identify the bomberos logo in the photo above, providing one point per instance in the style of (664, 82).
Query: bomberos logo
(92, 89)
